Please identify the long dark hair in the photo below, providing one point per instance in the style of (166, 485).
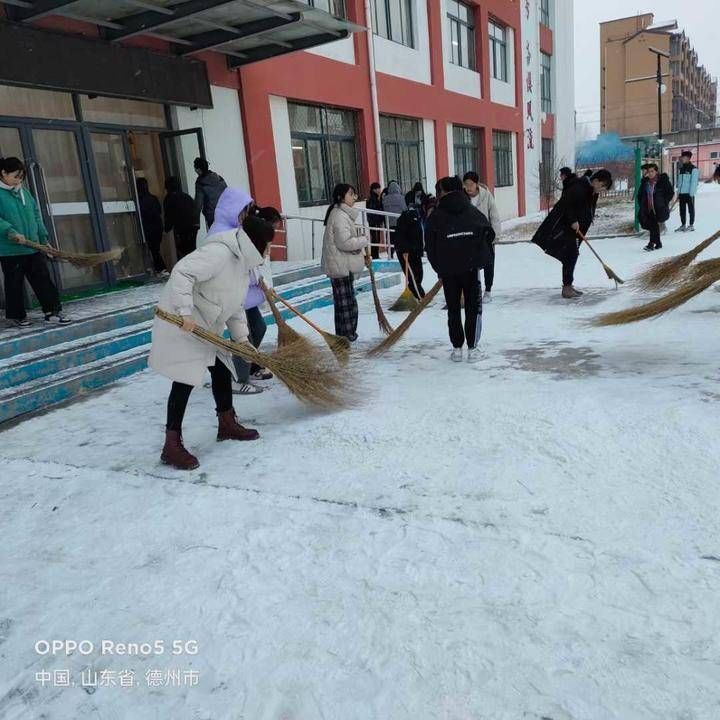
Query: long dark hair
(259, 231)
(338, 195)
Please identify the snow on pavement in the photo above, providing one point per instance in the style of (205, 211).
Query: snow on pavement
(533, 536)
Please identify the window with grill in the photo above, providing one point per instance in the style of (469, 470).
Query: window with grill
(403, 150)
(324, 142)
(466, 150)
(545, 12)
(503, 156)
(393, 20)
(334, 7)
(546, 82)
(498, 51)
(462, 34)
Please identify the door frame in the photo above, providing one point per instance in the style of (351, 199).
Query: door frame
(165, 151)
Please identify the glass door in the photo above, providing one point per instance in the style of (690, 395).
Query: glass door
(179, 151)
(118, 198)
(56, 173)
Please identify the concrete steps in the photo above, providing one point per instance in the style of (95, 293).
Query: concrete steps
(44, 366)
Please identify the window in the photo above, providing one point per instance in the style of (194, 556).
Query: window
(403, 150)
(117, 111)
(545, 12)
(29, 102)
(547, 171)
(324, 151)
(393, 20)
(466, 149)
(503, 156)
(546, 82)
(714, 155)
(462, 34)
(498, 52)
(334, 7)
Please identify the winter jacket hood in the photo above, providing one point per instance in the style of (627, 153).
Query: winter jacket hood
(394, 201)
(209, 284)
(458, 236)
(231, 203)
(343, 243)
(19, 215)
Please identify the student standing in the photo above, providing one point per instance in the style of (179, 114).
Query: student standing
(481, 197)
(179, 212)
(376, 222)
(457, 241)
(342, 257)
(20, 220)
(655, 196)
(152, 223)
(409, 243)
(688, 179)
(209, 186)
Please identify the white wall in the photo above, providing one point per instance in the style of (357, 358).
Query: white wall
(504, 92)
(451, 149)
(563, 82)
(224, 141)
(393, 58)
(457, 79)
(507, 197)
(530, 33)
(340, 50)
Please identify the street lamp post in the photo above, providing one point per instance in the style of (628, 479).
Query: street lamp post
(698, 127)
(660, 88)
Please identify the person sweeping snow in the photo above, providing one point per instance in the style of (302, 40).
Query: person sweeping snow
(457, 241)
(207, 288)
(573, 212)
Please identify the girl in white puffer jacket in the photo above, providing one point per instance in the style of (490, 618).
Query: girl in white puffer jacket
(343, 257)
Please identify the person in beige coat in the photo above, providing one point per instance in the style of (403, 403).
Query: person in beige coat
(481, 197)
(343, 257)
(207, 288)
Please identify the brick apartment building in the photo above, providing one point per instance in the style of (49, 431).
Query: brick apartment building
(628, 86)
(277, 94)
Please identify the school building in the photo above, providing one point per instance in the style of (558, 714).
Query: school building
(282, 96)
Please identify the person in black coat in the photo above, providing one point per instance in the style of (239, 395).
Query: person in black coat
(574, 212)
(566, 176)
(180, 217)
(457, 240)
(655, 196)
(409, 243)
(374, 202)
(152, 223)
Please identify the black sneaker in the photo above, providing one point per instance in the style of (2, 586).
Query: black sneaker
(649, 247)
(658, 245)
(25, 322)
(58, 318)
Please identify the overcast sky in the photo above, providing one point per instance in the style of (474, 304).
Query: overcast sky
(699, 18)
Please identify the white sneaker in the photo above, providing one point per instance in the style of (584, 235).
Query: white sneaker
(456, 355)
(487, 296)
(246, 389)
(473, 355)
(58, 318)
(691, 228)
(682, 228)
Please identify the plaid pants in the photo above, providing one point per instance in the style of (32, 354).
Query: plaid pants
(346, 307)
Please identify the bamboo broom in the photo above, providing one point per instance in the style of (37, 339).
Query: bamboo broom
(664, 274)
(612, 275)
(407, 301)
(80, 260)
(695, 272)
(383, 323)
(396, 334)
(340, 346)
(306, 375)
(286, 334)
(672, 300)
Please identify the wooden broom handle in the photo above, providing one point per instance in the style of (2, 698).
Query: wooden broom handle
(407, 265)
(582, 238)
(294, 310)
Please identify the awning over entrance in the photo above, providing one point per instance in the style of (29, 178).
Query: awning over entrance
(244, 30)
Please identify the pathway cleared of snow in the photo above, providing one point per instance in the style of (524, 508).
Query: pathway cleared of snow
(533, 536)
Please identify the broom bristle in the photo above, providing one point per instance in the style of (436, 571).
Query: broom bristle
(339, 346)
(695, 272)
(664, 274)
(391, 339)
(672, 300)
(383, 323)
(79, 260)
(306, 375)
(406, 302)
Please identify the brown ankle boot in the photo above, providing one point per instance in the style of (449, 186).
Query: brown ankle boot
(569, 292)
(230, 429)
(175, 454)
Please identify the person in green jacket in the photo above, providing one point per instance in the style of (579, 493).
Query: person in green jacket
(20, 220)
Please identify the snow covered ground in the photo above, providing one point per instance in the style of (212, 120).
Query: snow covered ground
(536, 536)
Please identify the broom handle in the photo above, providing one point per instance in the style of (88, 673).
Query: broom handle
(273, 308)
(582, 238)
(407, 265)
(294, 310)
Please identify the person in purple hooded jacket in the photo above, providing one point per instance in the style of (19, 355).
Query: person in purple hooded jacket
(231, 203)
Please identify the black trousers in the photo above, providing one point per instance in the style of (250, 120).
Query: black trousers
(180, 394)
(33, 268)
(489, 269)
(569, 262)
(654, 229)
(415, 272)
(455, 287)
(256, 332)
(687, 202)
(185, 241)
(154, 239)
